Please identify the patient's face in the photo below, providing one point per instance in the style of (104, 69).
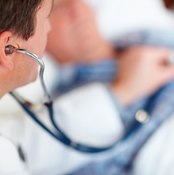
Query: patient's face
(74, 33)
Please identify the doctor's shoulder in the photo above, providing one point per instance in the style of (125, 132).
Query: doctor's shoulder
(10, 158)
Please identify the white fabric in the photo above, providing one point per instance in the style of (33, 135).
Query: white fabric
(47, 156)
(10, 163)
(88, 116)
(115, 17)
(50, 157)
(157, 155)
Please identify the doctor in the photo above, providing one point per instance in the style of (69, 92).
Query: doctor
(24, 24)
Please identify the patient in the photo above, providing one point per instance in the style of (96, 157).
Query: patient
(76, 41)
(124, 60)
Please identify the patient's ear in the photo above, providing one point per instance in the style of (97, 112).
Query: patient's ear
(6, 59)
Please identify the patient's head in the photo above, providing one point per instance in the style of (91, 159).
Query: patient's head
(75, 36)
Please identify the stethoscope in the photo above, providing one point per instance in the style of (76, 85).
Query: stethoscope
(58, 134)
(28, 107)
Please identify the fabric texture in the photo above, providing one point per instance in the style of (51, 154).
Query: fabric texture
(125, 152)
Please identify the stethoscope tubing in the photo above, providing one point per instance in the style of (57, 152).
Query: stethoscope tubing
(58, 134)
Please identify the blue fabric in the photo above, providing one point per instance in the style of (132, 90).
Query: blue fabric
(103, 71)
(125, 152)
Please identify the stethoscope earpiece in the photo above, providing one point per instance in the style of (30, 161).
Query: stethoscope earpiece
(9, 49)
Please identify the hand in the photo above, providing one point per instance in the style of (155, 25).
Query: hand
(142, 70)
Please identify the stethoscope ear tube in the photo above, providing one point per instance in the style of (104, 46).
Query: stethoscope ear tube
(58, 134)
(42, 68)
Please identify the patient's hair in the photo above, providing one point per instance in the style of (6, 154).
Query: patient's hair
(169, 4)
(19, 16)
